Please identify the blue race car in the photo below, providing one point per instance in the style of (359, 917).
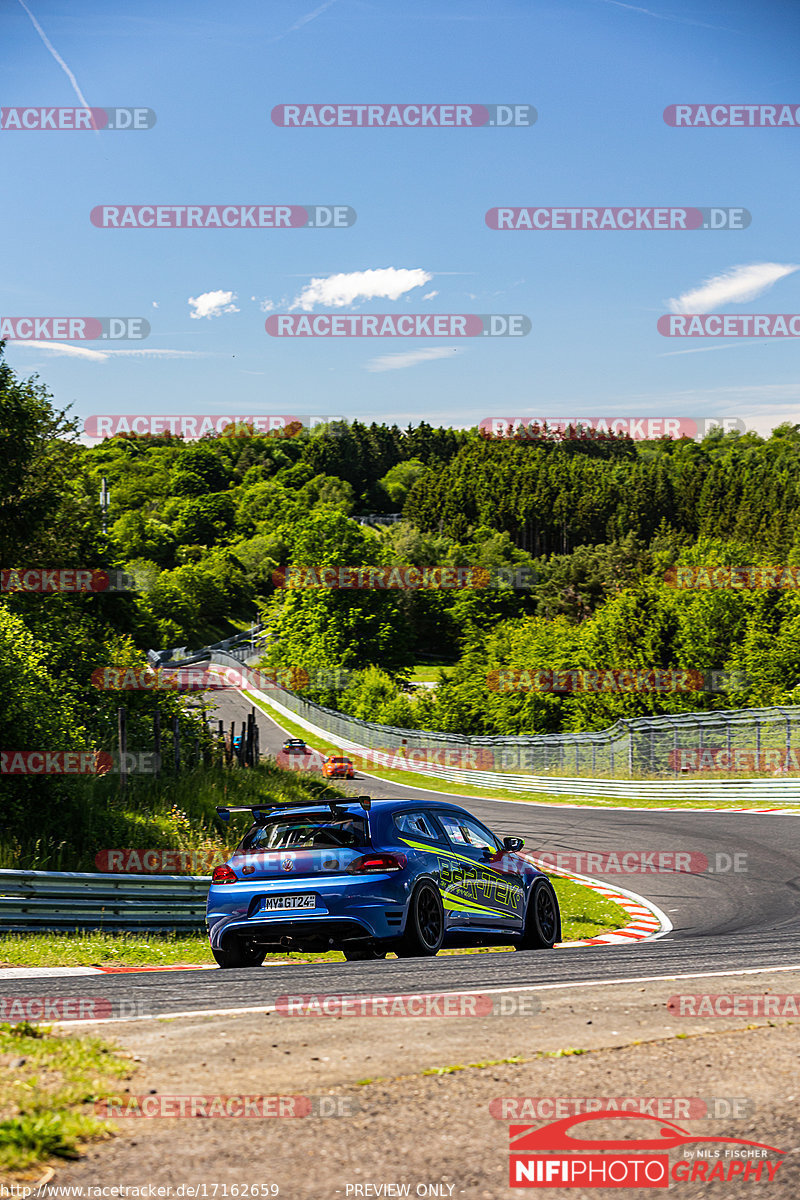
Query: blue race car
(369, 876)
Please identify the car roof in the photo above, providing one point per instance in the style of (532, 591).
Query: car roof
(397, 803)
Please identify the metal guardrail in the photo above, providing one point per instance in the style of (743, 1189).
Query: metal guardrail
(65, 900)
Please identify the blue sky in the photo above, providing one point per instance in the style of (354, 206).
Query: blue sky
(599, 73)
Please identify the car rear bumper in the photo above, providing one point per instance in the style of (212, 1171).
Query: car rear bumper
(347, 908)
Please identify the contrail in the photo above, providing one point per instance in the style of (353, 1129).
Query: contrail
(56, 56)
(304, 20)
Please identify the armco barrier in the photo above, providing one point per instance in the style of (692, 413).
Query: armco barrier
(352, 735)
(65, 900)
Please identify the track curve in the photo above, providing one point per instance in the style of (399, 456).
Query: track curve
(723, 922)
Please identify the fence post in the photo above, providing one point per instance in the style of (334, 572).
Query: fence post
(157, 740)
(728, 742)
(122, 741)
(675, 749)
(230, 749)
(788, 741)
(221, 748)
(249, 740)
(176, 746)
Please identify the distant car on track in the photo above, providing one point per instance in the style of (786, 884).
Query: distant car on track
(295, 746)
(367, 877)
(336, 767)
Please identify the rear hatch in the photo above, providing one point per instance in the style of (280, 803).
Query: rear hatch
(291, 846)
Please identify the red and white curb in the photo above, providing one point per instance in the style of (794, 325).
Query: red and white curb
(76, 972)
(648, 920)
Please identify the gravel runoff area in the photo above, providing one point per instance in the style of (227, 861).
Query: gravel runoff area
(418, 1122)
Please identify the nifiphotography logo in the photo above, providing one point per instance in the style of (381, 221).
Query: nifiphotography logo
(642, 1162)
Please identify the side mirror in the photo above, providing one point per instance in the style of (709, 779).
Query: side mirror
(513, 843)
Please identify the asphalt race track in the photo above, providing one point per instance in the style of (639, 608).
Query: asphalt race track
(723, 922)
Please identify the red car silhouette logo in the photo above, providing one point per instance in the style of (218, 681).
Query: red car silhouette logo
(556, 1136)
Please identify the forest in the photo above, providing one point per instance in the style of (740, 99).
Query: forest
(209, 528)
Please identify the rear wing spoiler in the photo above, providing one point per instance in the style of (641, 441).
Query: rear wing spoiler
(260, 811)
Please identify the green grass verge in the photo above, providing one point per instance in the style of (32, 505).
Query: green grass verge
(429, 672)
(48, 1085)
(431, 783)
(584, 913)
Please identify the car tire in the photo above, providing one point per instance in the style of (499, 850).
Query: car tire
(363, 953)
(239, 952)
(542, 918)
(424, 924)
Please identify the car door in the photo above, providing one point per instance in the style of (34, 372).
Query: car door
(420, 830)
(483, 876)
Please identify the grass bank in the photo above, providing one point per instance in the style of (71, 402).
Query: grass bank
(48, 1086)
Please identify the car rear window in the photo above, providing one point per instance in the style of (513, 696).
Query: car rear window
(306, 832)
(418, 823)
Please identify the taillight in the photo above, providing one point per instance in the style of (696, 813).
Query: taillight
(224, 874)
(369, 863)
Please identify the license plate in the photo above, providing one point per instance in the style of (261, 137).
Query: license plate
(308, 900)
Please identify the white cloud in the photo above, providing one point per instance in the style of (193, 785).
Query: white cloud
(155, 304)
(409, 358)
(429, 295)
(732, 287)
(212, 304)
(63, 348)
(101, 355)
(339, 290)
